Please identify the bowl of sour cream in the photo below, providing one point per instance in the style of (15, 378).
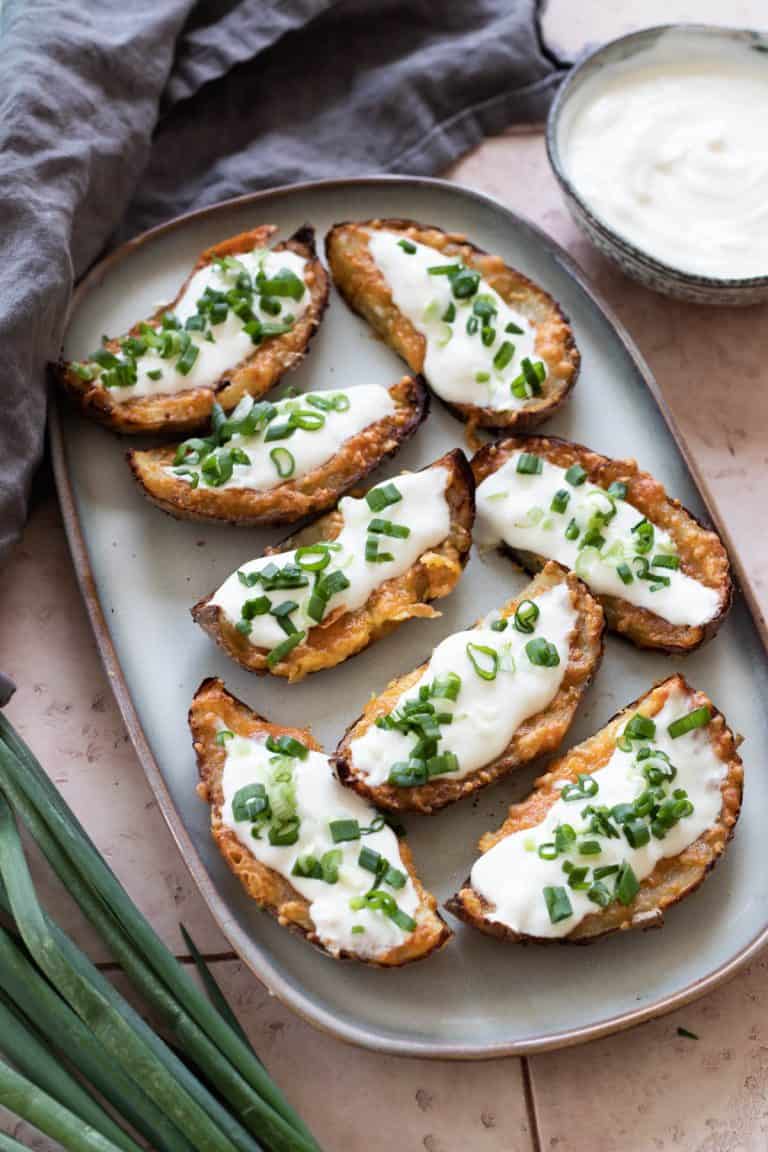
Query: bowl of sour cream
(659, 141)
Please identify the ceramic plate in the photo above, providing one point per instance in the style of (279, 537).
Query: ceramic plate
(141, 571)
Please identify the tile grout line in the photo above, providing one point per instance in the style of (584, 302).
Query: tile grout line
(530, 1105)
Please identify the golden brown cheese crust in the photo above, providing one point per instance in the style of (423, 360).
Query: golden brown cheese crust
(213, 707)
(344, 634)
(536, 736)
(702, 553)
(365, 289)
(673, 878)
(294, 499)
(180, 412)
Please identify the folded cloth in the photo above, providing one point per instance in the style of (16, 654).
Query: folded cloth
(115, 116)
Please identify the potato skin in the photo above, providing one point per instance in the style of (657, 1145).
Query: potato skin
(344, 634)
(535, 737)
(213, 705)
(366, 291)
(181, 412)
(672, 879)
(294, 499)
(702, 553)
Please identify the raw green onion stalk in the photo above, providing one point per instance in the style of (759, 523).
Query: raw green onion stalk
(68, 1033)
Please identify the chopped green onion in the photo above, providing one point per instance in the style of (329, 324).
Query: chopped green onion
(589, 848)
(500, 625)
(342, 830)
(444, 269)
(605, 870)
(283, 461)
(585, 787)
(542, 653)
(627, 884)
(528, 464)
(441, 764)
(388, 528)
(446, 688)
(640, 728)
(637, 833)
(450, 314)
(410, 774)
(526, 615)
(665, 560)
(256, 606)
(286, 745)
(618, 490)
(250, 802)
(565, 837)
(465, 283)
(698, 718)
(558, 903)
(372, 554)
(484, 660)
(645, 532)
(560, 500)
(284, 648)
(576, 475)
(223, 736)
(548, 850)
(514, 329)
(577, 879)
(625, 573)
(599, 894)
(534, 374)
(482, 377)
(313, 557)
(279, 431)
(503, 356)
(380, 498)
(472, 325)
(572, 531)
(407, 246)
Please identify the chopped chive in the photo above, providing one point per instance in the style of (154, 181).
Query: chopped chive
(286, 745)
(529, 464)
(637, 833)
(441, 764)
(644, 533)
(380, 498)
(560, 500)
(449, 315)
(542, 653)
(465, 283)
(484, 660)
(666, 561)
(155, 374)
(283, 461)
(558, 903)
(472, 325)
(627, 884)
(625, 573)
(526, 615)
(444, 269)
(482, 377)
(500, 625)
(372, 554)
(584, 789)
(577, 879)
(284, 648)
(487, 335)
(503, 356)
(223, 736)
(572, 531)
(589, 848)
(576, 475)
(640, 728)
(387, 528)
(618, 490)
(514, 329)
(312, 557)
(250, 802)
(256, 606)
(534, 374)
(605, 870)
(407, 246)
(277, 431)
(698, 718)
(342, 830)
(599, 894)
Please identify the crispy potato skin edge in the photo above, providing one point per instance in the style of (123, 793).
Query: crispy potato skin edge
(672, 879)
(702, 552)
(268, 888)
(366, 292)
(434, 575)
(293, 500)
(181, 412)
(538, 735)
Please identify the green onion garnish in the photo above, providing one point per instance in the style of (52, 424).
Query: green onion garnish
(698, 718)
(526, 615)
(585, 787)
(500, 625)
(514, 329)
(284, 648)
(558, 903)
(283, 462)
(223, 736)
(589, 848)
(442, 763)
(644, 533)
(637, 833)
(312, 557)
(250, 802)
(380, 498)
(528, 464)
(503, 355)
(408, 774)
(618, 490)
(387, 528)
(342, 830)
(666, 561)
(576, 475)
(465, 283)
(444, 269)
(277, 431)
(484, 660)
(449, 315)
(407, 246)
(627, 884)
(572, 531)
(542, 653)
(625, 573)
(256, 606)
(372, 554)
(560, 500)
(548, 850)
(640, 728)
(286, 745)
(482, 377)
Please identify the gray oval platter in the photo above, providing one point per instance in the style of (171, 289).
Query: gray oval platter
(140, 572)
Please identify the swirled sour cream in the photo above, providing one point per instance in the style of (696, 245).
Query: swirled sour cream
(512, 875)
(669, 149)
(485, 713)
(459, 366)
(231, 344)
(275, 462)
(320, 799)
(517, 509)
(422, 510)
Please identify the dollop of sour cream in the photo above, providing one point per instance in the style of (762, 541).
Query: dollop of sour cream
(231, 344)
(320, 799)
(669, 149)
(460, 364)
(485, 713)
(518, 509)
(274, 462)
(422, 510)
(512, 875)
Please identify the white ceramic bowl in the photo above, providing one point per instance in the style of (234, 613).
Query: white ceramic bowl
(633, 260)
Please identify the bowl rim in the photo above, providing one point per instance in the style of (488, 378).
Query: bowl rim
(625, 246)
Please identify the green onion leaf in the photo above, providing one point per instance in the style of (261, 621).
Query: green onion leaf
(484, 660)
(380, 498)
(342, 830)
(576, 475)
(526, 615)
(407, 246)
(558, 903)
(528, 464)
(698, 718)
(284, 648)
(542, 653)
(560, 500)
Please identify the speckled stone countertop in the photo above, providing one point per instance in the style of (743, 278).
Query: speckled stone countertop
(648, 1089)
